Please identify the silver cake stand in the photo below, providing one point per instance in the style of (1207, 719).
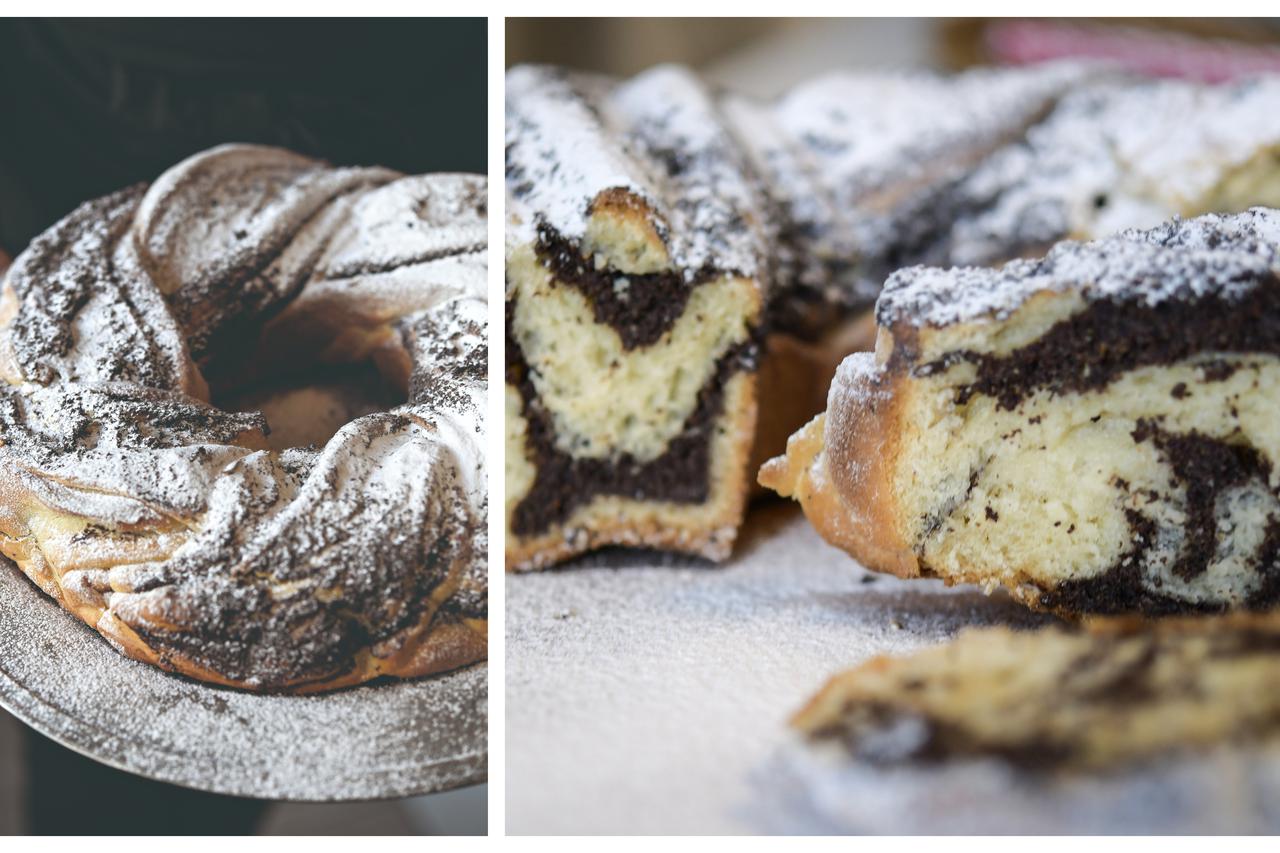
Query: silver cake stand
(380, 741)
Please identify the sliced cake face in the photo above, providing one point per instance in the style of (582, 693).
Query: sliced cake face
(636, 261)
(1114, 695)
(1123, 154)
(1096, 431)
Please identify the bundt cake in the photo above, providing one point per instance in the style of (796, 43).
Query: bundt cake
(167, 523)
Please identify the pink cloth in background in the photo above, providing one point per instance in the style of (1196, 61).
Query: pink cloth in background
(1159, 54)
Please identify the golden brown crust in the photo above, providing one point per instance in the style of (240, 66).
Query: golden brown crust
(663, 534)
(625, 205)
(622, 228)
(794, 376)
(846, 486)
(438, 642)
(630, 211)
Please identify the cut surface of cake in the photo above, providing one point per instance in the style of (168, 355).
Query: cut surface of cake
(1096, 431)
(635, 290)
(645, 261)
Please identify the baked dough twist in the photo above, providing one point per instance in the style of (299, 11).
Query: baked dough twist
(166, 523)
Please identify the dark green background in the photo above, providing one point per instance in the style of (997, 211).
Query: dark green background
(88, 107)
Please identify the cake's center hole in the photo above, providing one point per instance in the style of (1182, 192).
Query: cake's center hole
(307, 407)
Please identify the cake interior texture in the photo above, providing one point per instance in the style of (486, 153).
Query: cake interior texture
(662, 234)
(1095, 430)
(634, 299)
(626, 420)
(1156, 490)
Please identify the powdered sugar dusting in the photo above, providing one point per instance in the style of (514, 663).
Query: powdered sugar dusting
(411, 221)
(818, 190)
(212, 232)
(865, 130)
(559, 153)
(153, 454)
(851, 176)
(1212, 254)
(878, 151)
(1114, 156)
(658, 136)
(83, 312)
(276, 568)
(647, 693)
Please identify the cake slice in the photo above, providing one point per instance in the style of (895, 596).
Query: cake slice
(1096, 430)
(636, 284)
(1116, 692)
(1122, 726)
